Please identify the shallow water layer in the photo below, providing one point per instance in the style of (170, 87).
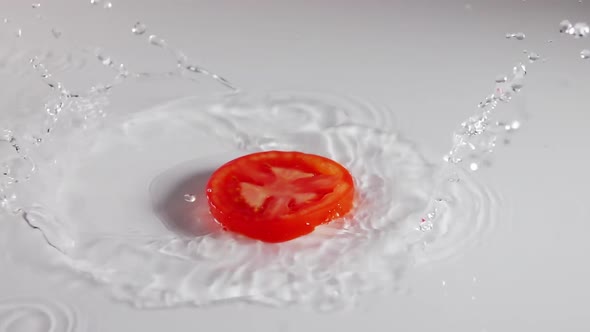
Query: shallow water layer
(113, 176)
(116, 204)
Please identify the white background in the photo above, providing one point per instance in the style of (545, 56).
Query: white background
(431, 62)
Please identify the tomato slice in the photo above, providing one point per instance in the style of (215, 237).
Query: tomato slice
(276, 196)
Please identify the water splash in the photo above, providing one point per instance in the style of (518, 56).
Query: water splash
(475, 140)
(380, 240)
(477, 136)
(181, 264)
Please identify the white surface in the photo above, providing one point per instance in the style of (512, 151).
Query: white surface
(432, 62)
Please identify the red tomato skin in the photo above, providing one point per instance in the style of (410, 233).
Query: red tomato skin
(286, 227)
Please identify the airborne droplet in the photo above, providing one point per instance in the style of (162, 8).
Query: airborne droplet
(190, 198)
(138, 28)
(156, 41)
(578, 30)
(581, 30)
(56, 33)
(501, 79)
(565, 26)
(534, 57)
(517, 36)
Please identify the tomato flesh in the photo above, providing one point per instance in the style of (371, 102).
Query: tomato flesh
(277, 196)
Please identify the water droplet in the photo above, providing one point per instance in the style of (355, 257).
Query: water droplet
(307, 224)
(566, 26)
(6, 135)
(533, 57)
(501, 79)
(54, 110)
(550, 41)
(515, 125)
(94, 2)
(36, 5)
(516, 87)
(190, 198)
(19, 33)
(444, 283)
(473, 166)
(138, 28)
(108, 5)
(519, 71)
(517, 36)
(56, 33)
(156, 41)
(581, 29)
(193, 69)
(105, 60)
(6, 20)
(585, 54)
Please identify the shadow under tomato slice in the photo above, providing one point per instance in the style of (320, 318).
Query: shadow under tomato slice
(277, 196)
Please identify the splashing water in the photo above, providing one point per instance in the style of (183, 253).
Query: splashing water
(78, 169)
(478, 135)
